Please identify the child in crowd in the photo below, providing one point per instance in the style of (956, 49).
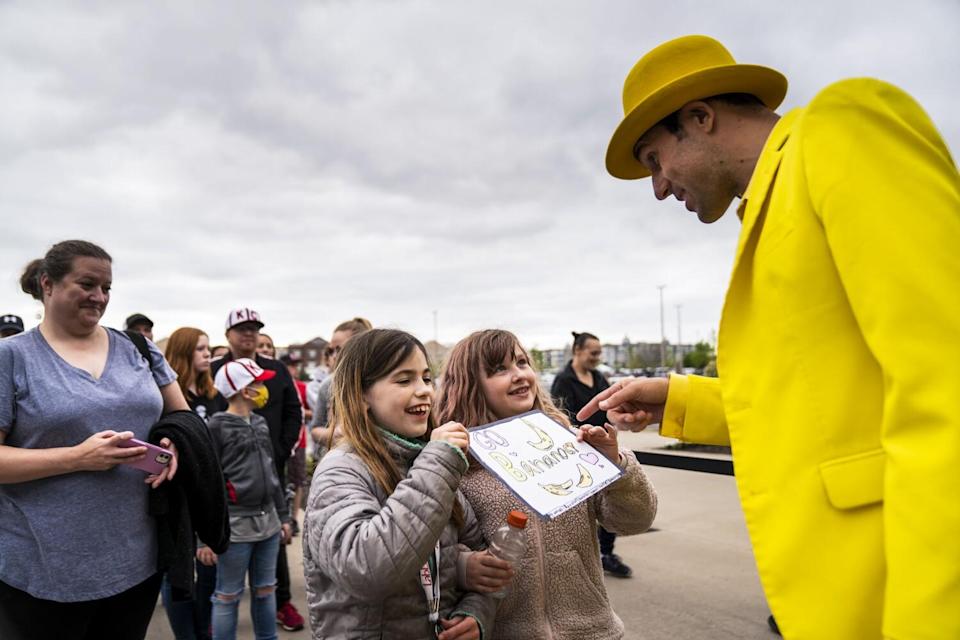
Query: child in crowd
(258, 511)
(188, 353)
(558, 591)
(320, 426)
(384, 519)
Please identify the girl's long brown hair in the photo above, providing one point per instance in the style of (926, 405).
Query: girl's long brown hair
(179, 353)
(365, 359)
(471, 360)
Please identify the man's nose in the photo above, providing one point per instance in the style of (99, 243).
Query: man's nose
(661, 187)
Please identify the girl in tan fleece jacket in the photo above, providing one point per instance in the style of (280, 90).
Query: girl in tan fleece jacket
(558, 591)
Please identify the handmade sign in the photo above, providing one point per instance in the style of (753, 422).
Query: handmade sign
(541, 462)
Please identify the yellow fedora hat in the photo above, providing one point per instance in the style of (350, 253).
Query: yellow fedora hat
(673, 74)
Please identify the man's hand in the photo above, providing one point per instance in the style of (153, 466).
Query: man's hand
(286, 535)
(631, 403)
(486, 573)
(464, 628)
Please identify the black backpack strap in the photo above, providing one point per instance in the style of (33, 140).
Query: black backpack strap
(141, 344)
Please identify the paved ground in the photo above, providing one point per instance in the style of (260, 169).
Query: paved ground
(694, 573)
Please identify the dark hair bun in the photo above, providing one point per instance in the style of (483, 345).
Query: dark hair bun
(30, 280)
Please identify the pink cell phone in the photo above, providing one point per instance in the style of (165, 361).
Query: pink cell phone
(157, 458)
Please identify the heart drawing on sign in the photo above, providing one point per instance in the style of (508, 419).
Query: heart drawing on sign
(589, 457)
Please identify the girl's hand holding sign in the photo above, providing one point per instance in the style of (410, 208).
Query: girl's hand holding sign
(603, 439)
(453, 433)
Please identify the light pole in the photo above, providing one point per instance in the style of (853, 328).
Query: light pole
(678, 352)
(435, 327)
(663, 335)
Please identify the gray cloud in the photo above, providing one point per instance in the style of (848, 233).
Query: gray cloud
(322, 160)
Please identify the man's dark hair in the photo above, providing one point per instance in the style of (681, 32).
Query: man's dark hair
(580, 339)
(672, 122)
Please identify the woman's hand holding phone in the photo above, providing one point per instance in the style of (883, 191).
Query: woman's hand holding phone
(155, 480)
(103, 451)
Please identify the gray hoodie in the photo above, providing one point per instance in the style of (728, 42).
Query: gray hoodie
(363, 549)
(246, 455)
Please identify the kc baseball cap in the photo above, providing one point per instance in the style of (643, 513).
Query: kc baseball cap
(241, 315)
(11, 322)
(237, 374)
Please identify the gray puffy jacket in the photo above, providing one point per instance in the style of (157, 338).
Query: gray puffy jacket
(363, 549)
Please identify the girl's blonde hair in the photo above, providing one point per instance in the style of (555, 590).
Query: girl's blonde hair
(471, 360)
(365, 359)
(181, 347)
(355, 326)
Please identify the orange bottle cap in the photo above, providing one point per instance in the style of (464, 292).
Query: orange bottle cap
(517, 519)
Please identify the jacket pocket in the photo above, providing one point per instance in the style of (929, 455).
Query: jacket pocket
(854, 481)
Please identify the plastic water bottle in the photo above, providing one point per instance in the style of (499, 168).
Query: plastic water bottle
(510, 543)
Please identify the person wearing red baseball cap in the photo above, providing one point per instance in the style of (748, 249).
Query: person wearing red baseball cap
(259, 519)
(284, 417)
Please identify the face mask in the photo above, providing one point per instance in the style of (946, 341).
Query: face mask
(261, 397)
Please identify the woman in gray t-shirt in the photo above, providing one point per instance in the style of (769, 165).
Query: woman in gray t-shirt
(78, 552)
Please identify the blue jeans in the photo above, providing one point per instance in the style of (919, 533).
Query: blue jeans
(261, 560)
(190, 619)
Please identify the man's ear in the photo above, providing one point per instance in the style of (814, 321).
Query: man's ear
(699, 115)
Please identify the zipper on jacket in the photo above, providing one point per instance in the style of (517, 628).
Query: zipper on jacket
(548, 628)
(263, 474)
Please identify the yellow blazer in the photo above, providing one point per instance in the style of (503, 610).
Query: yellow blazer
(839, 364)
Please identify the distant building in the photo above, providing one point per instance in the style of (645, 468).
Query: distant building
(437, 354)
(312, 354)
(557, 358)
(626, 355)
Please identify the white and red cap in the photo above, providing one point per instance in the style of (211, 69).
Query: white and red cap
(241, 315)
(237, 374)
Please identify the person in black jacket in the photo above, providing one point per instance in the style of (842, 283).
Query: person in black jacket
(572, 389)
(284, 416)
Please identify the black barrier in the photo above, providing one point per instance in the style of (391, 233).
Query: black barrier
(687, 463)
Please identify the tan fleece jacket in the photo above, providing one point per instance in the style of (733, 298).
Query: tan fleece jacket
(558, 593)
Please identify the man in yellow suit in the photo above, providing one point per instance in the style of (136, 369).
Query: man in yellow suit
(839, 346)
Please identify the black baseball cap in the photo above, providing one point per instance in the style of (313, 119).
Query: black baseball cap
(138, 318)
(10, 321)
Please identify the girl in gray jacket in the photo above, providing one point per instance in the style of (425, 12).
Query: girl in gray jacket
(385, 516)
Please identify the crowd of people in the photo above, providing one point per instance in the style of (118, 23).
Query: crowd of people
(393, 485)
(119, 462)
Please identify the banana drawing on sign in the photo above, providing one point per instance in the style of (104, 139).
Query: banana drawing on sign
(541, 462)
(544, 442)
(559, 489)
(585, 478)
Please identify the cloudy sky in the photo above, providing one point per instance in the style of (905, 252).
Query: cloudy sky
(321, 160)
